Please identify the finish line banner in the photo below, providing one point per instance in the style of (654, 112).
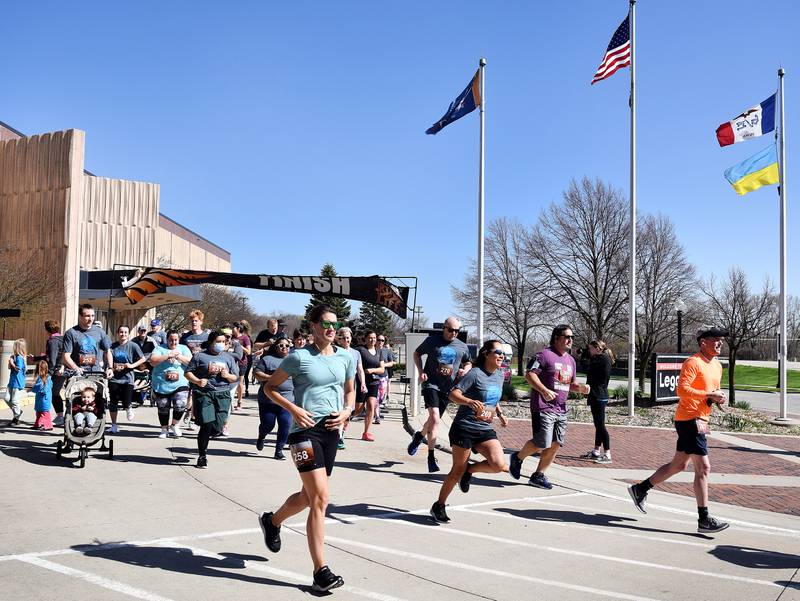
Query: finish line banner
(370, 289)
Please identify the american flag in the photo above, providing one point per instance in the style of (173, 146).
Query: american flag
(618, 53)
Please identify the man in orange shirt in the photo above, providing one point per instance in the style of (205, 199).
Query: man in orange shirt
(698, 390)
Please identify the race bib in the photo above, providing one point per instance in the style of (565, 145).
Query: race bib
(194, 347)
(215, 368)
(445, 370)
(171, 376)
(485, 415)
(87, 360)
(119, 366)
(303, 454)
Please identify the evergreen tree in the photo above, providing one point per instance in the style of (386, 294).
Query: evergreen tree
(374, 317)
(339, 305)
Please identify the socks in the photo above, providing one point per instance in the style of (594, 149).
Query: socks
(702, 512)
(645, 485)
(430, 454)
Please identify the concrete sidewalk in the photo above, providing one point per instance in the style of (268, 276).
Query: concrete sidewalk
(149, 525)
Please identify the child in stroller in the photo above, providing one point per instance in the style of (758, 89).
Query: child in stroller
(84, 411)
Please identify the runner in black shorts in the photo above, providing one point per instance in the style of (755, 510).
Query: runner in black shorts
(477, 394)
(322, 376)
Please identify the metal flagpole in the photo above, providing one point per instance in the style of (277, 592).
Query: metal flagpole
(782, 348)
(482, 64)
(632, 273)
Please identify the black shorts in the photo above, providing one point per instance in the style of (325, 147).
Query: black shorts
(468, 436)
(314, 448)
(372, 391)
(435, 398)
(690, 441)
(119, 393)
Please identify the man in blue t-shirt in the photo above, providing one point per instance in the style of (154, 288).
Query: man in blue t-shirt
(443, 365)
(86, 346)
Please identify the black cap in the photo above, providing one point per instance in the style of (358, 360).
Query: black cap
(711, 332)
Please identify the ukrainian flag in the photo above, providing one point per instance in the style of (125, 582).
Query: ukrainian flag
(761, 169)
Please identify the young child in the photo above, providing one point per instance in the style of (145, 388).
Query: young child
(83, 411)
(16, 381)
(43, 387)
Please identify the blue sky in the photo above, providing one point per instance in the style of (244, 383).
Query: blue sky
(293, 133)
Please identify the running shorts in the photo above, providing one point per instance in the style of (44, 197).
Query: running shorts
(314, 448)
(690, 441)
(547, 428)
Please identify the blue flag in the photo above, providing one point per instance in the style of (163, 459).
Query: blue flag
(467, 101)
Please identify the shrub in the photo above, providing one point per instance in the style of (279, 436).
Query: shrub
(509, 392)
(741, 405)
(620, 392)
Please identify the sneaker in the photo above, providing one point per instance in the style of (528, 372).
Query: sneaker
(114, 429)
(280, 456)
(14, 422)
(604, 459)
(340, 445)
(539, 480)
(272, 533)
(163, 434)
(176, 431)
(190, 426)
(260, 445)
(416, 440)
(710, 525)
(368, 437)
(514, 465)
(439, 514)
(129, 414)
(377, 421)
(463, 483)
(590, 455)
(325, 580)
(639, 498)
(433, 465)
(59, 420)
(202, 462)
(224, 434)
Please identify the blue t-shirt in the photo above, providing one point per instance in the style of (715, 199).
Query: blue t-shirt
(169, 375)
(44, 394)
(17, 378)
(86, 347)
(481, 386)
(442, 361)
(124, 353)
(319, 380)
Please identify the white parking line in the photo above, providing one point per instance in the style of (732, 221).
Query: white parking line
(484, 570)
(101, 581)
(285, 574)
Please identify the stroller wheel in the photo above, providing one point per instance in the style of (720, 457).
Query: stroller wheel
(82, 454)
(59, 448)
(111, 449)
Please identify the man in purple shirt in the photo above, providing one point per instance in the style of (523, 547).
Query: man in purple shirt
(551, 374)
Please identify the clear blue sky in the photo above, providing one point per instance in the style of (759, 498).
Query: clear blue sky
(293, 133)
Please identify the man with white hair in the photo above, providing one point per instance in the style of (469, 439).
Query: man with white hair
(443, 352)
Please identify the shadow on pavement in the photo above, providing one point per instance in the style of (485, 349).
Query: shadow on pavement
(768, 452)
(182, 561)
(37, 453)
(384, 468)
(590, 519)
(749, 557)
(368, 510)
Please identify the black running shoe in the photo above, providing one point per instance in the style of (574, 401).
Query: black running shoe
(202, 462)
(280, 456)
(463, 484)
(416, 440)
(325, 580)
(260, 444)
(439, 514)
(514, 465)
(710, 525)
(272, 533)
(639, 498)
(433, 465)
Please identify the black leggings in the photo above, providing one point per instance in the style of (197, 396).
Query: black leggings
(600, 431)
(203, 436)
(163, 418)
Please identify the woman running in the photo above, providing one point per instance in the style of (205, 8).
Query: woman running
(597, 376)
(243, 327)
(373, 369)
(344, 336)
(170, 388)
(478, 394)
(269, 412)
(213, 373)
(323, 378)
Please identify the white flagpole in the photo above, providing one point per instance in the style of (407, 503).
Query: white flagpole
(782, 347)
(482, 64)
(632, 274)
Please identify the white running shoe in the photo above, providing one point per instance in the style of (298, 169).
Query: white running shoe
(113, 429)
(129, 414)
(163, 434)
(189, 426)
(176, 431)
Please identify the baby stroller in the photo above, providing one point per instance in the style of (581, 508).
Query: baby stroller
(72, 390)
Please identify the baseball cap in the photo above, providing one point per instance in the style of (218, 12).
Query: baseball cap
(711, 332)
(142, 328)
(155, 322)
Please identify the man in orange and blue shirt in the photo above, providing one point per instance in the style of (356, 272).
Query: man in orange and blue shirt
(698, 391)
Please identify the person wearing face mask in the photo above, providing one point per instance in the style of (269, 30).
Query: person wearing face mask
(213, 373)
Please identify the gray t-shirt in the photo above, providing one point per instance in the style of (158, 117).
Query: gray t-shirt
(160, 337)
(236, 350)
(194, 341)
(268, 365)
(206, 365)
(86, 347)
(124, 353)
(480, 386)
(442, 361)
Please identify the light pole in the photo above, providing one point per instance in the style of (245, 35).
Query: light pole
(680, 307)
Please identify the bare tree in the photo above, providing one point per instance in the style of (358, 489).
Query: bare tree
(512, 304)
(663, 275)
(27, 285)
(577, 257)
(220, 304)
(746, 315)
(792, 326)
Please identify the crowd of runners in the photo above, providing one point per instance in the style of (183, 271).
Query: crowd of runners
(312, 385)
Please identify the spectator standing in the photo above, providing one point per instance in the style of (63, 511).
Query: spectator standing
(54, 347)
(597, 376)
(43, 388)
(15, 390)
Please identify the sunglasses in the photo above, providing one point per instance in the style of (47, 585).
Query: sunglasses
(381, 339)
(327, 325)
(282, 346)
(452, 330)
(568, 337)
(498, 351)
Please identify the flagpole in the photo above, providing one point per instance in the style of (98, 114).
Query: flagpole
(482, 64)
(783, 342)
(632, 273)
